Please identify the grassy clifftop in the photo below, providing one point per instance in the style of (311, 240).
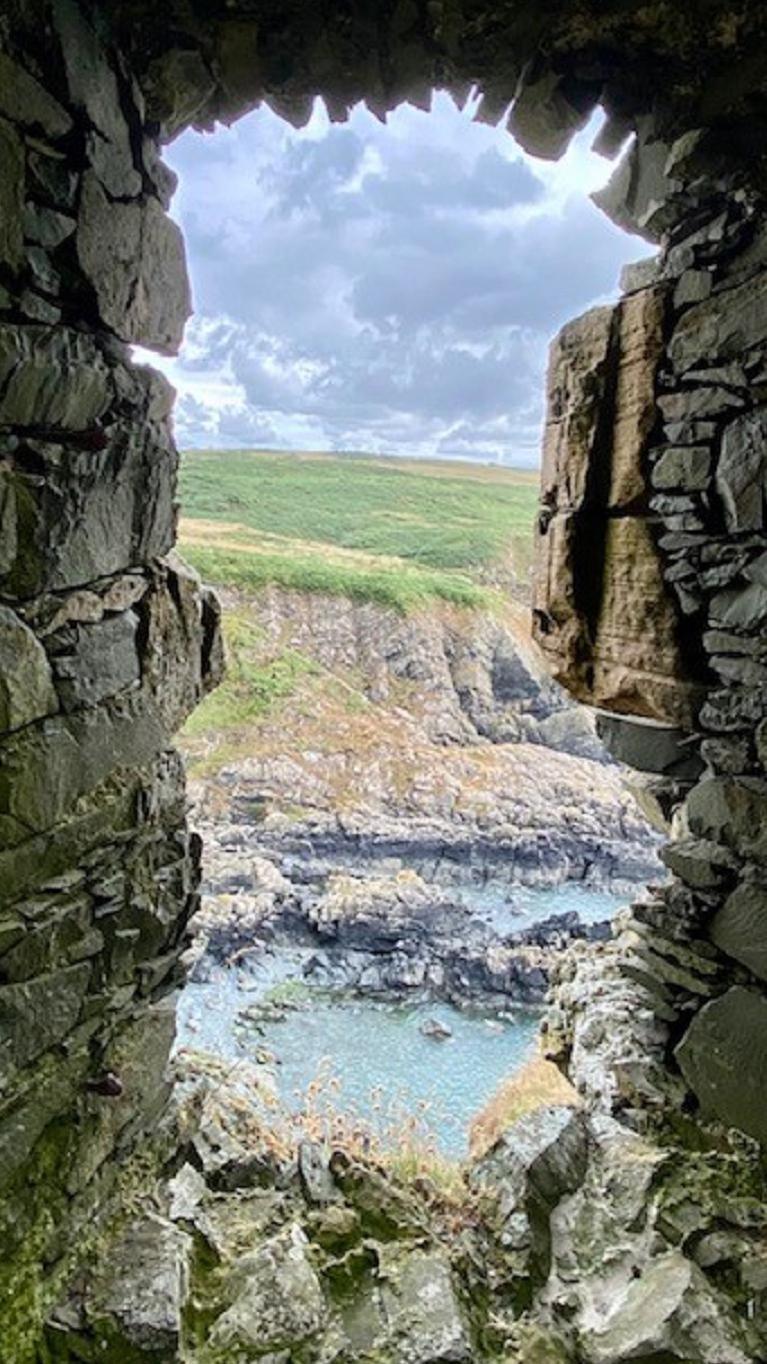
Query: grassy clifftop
(393, 531)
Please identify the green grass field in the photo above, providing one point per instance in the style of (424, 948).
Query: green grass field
(393, 531)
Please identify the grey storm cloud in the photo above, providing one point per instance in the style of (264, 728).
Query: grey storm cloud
(375, 288)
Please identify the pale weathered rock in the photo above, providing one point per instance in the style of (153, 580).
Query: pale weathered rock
(142, 1286)
(669, 1312)
(423, 1318)
(279, 1301)
(26, 686)
(723, 1056)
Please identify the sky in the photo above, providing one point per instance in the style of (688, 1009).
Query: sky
(390, 289)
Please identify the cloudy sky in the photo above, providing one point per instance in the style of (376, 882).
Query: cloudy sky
(390, 289)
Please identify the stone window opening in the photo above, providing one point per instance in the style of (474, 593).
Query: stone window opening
(664, 1032)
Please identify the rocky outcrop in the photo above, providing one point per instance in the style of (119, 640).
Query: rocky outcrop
(392, 937)
(316, 1252)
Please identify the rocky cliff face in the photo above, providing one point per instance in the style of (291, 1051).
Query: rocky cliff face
(432, 742)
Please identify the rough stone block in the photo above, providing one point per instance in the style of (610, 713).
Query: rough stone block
(11, 195)
(142, 1287)
(668, 1313)
(722, 327)
(548, 112)
(739, 928)
(603, 616)
(52, 378)
(36, 1014)
(732, 811)
(280, 1301)
(649, 745)
(94, 89)
(741, 474)
(683, 466)
(26, 101)
(575, 387)
(723, 1057)
(26, 687)
(97, 660)
(133, 256)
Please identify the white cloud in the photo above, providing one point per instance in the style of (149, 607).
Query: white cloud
(381, 288)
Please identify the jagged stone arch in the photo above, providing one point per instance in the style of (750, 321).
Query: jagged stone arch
(652, 589)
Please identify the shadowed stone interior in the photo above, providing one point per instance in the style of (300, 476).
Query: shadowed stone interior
(651, 600)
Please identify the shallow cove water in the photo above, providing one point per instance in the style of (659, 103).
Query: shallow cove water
(385, 1067)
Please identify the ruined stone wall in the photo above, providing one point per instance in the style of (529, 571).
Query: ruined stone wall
(106, 642)
(668, 621)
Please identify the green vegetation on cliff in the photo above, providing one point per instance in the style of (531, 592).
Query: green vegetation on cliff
(392, 531)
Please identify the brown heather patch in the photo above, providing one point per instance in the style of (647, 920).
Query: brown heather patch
(537, 1085)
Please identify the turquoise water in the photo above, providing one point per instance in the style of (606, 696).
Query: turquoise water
(384, 1067)
(516, 908)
